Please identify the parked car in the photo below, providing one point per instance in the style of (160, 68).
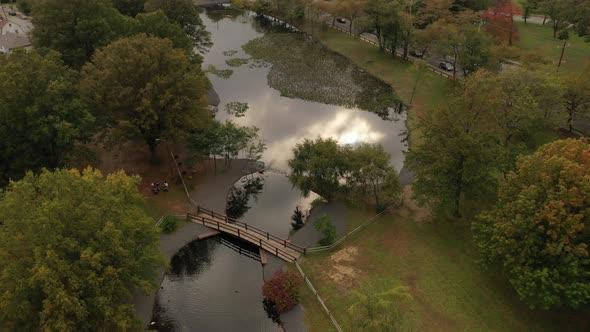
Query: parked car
(341, 20)
(12, 13)
(446, 66)
(417, 53)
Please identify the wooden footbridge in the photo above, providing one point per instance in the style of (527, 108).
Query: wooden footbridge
(275, 245)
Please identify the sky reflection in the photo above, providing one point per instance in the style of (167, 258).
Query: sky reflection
(283, 122)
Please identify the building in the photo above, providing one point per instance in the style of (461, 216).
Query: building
(12, 41)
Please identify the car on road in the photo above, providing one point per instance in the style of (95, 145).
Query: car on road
(341, 20)
(12, 13)
(446, 66)
(417, 53)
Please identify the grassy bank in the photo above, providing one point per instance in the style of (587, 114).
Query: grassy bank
(539, 38)
(394, 71)
(436, 262)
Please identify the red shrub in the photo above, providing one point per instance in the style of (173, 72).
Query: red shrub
(283, 290)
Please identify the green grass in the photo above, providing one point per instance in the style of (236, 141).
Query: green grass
(539, 38)
(436, 261)
(394, 71)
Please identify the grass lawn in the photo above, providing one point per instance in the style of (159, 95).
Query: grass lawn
(536, 37)
(394, 71)
(436, 262)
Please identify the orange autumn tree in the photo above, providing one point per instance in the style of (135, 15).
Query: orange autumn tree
(500, 20)
(539, 231)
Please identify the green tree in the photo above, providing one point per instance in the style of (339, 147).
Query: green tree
(317, 165)
(129, 7)
(454, 158)
(157, 24)
(577, 95)
(186, 14)
(75, 28)
(371, 173)
(73, 247)
(145, 88)
(43, 121)
(326, 227)
(382, 311)
(538, 231)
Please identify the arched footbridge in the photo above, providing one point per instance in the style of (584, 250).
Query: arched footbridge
(275, 245)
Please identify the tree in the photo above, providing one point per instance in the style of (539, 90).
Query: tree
(129, 7)
(75, 28)
(228, 140)
(186, 14)
(73, 247)
(454, 159)
(577, 95)
(489, 121)
(157, 24)
(538, 230)
(500, 19)
(370, 172)
(382, 311)
(43, 121)
(558, 11)
(298, 218)
(145, 88)
(528, 6)
(326, 227)
(317, 166)
(283, 290)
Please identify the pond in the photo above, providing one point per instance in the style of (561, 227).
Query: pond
(215, 284)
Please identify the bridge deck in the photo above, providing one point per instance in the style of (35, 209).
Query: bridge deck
(279, 247)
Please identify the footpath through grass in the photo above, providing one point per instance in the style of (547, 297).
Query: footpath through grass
(437, 263)
(539, 38)
(393, 71)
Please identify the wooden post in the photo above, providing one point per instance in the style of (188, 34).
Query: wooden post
(267, 236)
(218, 226)
(277, 251)
(212, 215)
(285, 243)
(246, 226)
(225, 218)
(304, 251)
(238, 232)
(260, 242)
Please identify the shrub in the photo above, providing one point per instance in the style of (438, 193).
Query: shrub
(298, 218)
(282, 290)
(325, 226)
(168, 224)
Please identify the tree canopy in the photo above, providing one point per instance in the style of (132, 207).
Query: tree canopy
(145, 88)
(43, 121)
(73, 247)
(323, 166)
(186, 14)
(75, 28)
(489, 121)
(538, 231)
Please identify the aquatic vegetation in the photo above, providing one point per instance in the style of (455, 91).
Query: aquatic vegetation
(221, 73)
(236, 62)
(236, 108)
(306, 70)
(230, 52)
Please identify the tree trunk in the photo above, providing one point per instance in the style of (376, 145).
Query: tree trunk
(350, 27)
(215, 164)
(376, 195)
(459, 187)
(153, 144)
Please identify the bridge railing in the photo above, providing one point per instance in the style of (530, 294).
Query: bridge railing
(231, 229)
(284, 242)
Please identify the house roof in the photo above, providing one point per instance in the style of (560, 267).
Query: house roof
(12, 40)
